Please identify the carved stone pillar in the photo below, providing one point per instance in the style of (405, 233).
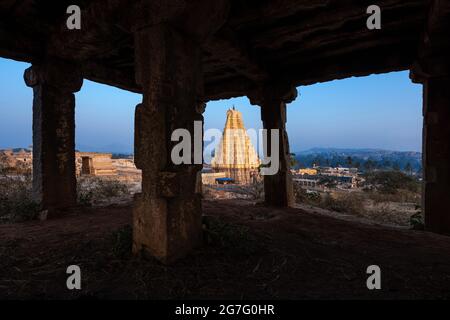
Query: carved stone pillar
(436, 154)
(278, 188)
(432, 69)
(54, 84)
(168, 213)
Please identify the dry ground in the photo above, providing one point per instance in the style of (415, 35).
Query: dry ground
(252, 252)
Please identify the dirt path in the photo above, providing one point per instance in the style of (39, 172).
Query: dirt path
(251, 252)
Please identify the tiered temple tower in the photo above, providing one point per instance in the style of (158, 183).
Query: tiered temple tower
(235, 154)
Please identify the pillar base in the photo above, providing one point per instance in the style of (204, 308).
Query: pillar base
(168, 230)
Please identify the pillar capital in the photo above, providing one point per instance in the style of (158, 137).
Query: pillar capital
(273, 92)
(58, 74)
(434, 50)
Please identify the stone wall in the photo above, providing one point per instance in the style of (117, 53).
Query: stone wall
(96, 164)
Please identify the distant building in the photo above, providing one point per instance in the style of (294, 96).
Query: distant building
(307, 182)
(95, 164)
(307, 171)
(339, 171)
(16, 158)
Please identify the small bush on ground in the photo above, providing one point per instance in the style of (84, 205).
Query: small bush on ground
(16, 197)
(94, 190)
(399, 208)
(224, 235)
(390, 182)
(122, 241)
(416, 221)
(344, 203)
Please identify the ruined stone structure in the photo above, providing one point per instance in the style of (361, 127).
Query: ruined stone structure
(16, 158)
(180, 54)
(95, 164)
(235, 154)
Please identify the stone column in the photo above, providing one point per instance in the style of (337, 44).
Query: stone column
(167, 214)
(432, 69)
(54, 84)
(436, 154)
(278, 188)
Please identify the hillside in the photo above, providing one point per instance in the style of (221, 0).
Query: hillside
(362, 158)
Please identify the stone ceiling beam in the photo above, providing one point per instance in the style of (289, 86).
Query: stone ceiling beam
(122, 79)
(365, 62)
(327, 21)
(102, 22)
(18, 46)
(271, 10)
(234, 52)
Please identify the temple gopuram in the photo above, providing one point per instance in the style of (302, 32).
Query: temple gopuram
(235, 154)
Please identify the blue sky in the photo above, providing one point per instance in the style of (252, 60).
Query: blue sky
(379, 111)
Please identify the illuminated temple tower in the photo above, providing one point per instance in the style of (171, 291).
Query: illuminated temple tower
(235, 154)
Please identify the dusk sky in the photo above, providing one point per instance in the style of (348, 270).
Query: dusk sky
(379, 111)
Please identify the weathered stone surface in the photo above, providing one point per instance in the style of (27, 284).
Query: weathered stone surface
(53, 83)
(432, 69)
(95, 164)
(436, 153)
(167, 215)
(278, 188)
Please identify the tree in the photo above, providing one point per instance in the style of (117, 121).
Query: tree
(408, 168)
(387, 164)
(390, 182)
(349, 161)
(316, 161)
(293, 161)
(396, 166)
(369, 165)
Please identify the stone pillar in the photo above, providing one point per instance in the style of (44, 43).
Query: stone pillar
(278, 188)
(432, 69)
(436, 154)
(167, 214)
(54, 180)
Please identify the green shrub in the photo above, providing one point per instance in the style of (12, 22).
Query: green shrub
(92, 190)
(16, 198)
(302, 196)
(122, 241)
(390, 182)
(416, 221)
(345, 203)
(230, 236)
